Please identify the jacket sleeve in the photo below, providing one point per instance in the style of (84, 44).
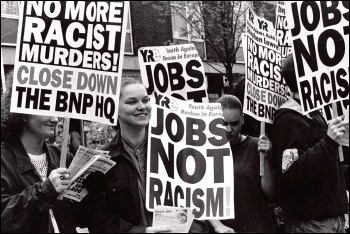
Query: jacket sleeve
(99, 217)
(17, 209)
(300, 159)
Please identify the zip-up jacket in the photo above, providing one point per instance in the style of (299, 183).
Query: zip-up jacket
(118, 208)
(306, 161)
(25, 198)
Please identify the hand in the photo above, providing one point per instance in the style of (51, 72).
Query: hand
(158, 229)
(95, 183)
(264, 144)
(60, 179)
(224, 229)
(336, 128)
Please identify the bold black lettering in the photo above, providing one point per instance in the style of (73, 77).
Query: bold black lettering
(99, 106)
(215, 203)
(343, 83)
(327, 11)
(215, 130)
(197, 96)
(200, 165)
(178, 96)
(296, 30)
(160, 68)
(155, 194)
(158, 130)
(301, 52)
(199, 203)
(194, 73)
(168, 196)
(339, 47)
(144, 54)
(32, 98)
(218, 157)
(324, 81)
(61, 101)
(87, 102)
(306, 94)
(150, 87)
(191, 131)
(157, 149)
(175, 70)
(178, 192)
(44, 98)
(305, 16)
(165, 102)
(20, 91)
(76, 102)
(317, 93)
(109, 102)
(180, 131)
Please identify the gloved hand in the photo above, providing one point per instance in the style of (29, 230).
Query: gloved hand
(95, 183)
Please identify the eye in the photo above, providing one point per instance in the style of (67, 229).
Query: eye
(131, 102)
(146, 100)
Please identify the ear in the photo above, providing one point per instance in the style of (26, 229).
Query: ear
(242, 119)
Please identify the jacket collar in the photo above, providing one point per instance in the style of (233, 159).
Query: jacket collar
(115, 147)
(293, 105)
(24, 163)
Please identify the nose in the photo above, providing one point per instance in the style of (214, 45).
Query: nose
(141, 106)
(229, 128)
(54, 119)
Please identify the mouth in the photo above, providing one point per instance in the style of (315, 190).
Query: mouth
(141, 115)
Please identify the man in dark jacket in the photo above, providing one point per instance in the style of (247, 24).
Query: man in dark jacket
(306, 161)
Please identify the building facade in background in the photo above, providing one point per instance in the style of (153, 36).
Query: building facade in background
(147, 26)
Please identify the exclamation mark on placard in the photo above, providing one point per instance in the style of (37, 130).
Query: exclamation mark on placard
(228, 200)
(115, 61)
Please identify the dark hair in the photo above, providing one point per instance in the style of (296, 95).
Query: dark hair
(11, 123)
(288, 73)
(229, 101)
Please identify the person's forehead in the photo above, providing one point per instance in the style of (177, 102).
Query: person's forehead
(232, 115)
(133, 90)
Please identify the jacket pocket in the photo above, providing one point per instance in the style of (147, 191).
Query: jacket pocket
(119, 197)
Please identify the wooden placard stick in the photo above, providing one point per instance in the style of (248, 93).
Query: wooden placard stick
(262, 154)
(335, 115)
(64, 146)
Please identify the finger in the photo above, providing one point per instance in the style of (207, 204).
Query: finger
(341, 124)
(64, 176)
(61, 170)
(65, 182)
(263, 137)
(264, 142)
(336, 120)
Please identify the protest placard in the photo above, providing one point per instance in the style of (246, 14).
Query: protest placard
(265, 90)
(282, 32)
(334, 110)
(85, 162)
(3, 80)
(189, 162)
(176, 70)
(320, 41)
(69, 59)
(178, 220)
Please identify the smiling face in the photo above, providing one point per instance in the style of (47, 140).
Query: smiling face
(40, 127)
(134, 106)
(233, 121)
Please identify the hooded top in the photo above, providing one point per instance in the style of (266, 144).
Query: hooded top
(309, 174)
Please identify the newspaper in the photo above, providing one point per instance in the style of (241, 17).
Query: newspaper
(86, 161)
(178, 219)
